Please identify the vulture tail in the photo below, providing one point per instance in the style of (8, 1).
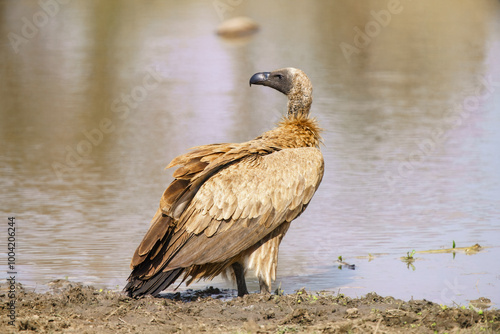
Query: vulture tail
(153, 286)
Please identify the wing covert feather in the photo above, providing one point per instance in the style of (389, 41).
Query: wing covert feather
(267, 190)
(232, 210)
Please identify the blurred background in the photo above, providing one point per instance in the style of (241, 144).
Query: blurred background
(98, 96)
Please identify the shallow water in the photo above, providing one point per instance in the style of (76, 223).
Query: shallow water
(100, 96)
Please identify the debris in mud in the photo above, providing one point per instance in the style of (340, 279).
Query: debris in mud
(72, 307)
(481, 303)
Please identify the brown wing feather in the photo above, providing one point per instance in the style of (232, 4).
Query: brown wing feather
(232, 209)
(192, 163)
(163, 238)
(200, 152)
(157, 231)
(265, 189)
(216, 157)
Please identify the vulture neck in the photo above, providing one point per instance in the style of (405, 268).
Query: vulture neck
(294, 131)
(297, 129)
(299, 101)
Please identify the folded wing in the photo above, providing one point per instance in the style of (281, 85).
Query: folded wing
(227, 205)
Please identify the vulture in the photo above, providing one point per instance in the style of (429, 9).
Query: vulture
(230, 205)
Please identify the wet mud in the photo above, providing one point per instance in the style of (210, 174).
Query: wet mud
(74, 308)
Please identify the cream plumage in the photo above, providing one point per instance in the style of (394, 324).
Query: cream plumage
(231, 204)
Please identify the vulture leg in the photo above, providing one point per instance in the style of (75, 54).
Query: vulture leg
(239, 273)
(264, 288)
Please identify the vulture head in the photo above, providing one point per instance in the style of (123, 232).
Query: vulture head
(293, 83)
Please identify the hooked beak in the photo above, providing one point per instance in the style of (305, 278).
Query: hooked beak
(259, 78)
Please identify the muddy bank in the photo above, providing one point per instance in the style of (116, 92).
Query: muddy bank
(73, 308)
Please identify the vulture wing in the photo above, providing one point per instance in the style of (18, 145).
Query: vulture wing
(229, 210)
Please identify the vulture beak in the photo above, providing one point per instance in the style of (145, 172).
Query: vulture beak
(259, 78)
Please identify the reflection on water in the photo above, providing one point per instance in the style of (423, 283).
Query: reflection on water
(99, 96)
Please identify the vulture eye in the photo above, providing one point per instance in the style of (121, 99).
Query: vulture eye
(279, 76)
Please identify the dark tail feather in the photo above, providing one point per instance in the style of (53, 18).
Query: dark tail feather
(153, 286)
